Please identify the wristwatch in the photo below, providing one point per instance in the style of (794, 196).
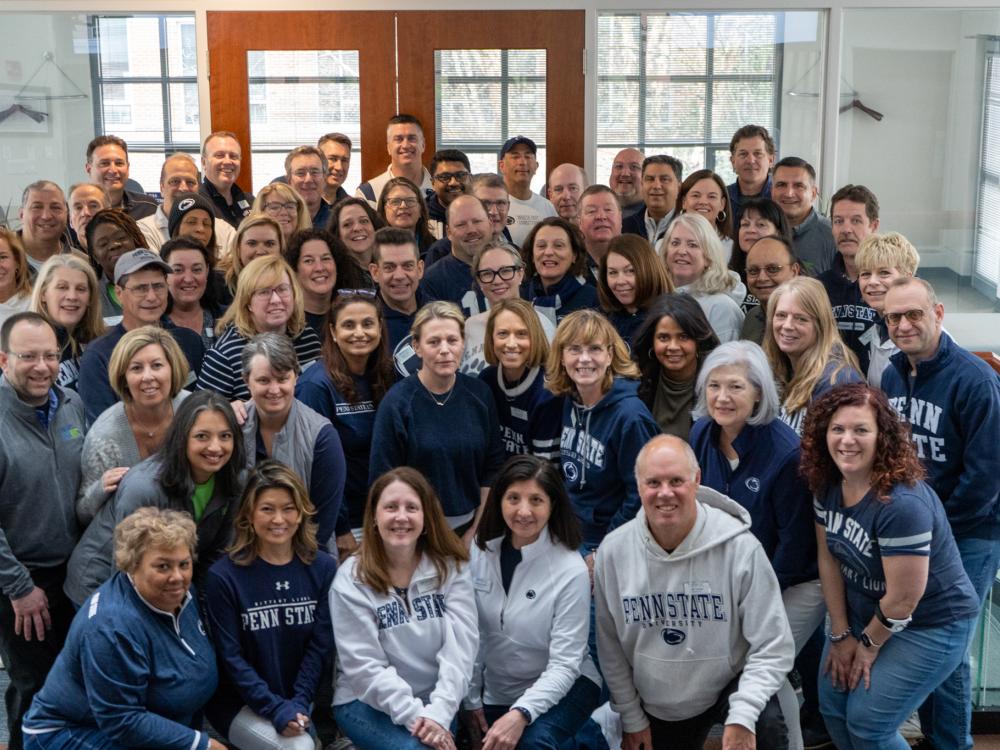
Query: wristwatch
(893, 626)
(867, 642)
(524, 712)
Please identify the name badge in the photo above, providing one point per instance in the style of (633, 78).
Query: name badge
(482, 584)
(519, 413)
(242, 203)
(696, 588)
(426, 586)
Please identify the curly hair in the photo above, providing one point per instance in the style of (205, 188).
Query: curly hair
(896, 460)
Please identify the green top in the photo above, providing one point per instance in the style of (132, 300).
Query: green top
(202, 494)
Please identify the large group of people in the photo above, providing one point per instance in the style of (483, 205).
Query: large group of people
(450, 462)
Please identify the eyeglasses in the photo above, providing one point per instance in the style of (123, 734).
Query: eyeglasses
(282, 290)
(593, 350)
(30, 358)
(495, 204)
(447, 177)
(771, 269)
(914, 316)
(397, 202)
(277, 208)
(141, 290)
(370, 293)
(303, 173)
(487, 275)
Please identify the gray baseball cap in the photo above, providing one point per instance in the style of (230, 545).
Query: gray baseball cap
(137, 260)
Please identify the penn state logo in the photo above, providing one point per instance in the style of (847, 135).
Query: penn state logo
(673, 636)
(753, 484)
(531, 594)
(405, 358)
(570, 471)
(185, 204)
(511, 221)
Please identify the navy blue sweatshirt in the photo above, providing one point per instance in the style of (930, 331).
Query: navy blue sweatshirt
(568, 295)
(451, 280)
(398, 324)
(515, 403)
(854, 318)
(953, 407)
(767, 483)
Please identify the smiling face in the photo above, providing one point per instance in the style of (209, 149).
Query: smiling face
(148, 376)
(794, 329)
(793, 189)
(275, 519)
(66, 297)
(511, 342)
(31, 380)
(851, 437)
(621, 280)
(258, 241)
(84, 202)
(355, 229)
(110, 242)
(8, 270)
(44, 216)
(271, 305)
(667, 489)
(221, 162)
(405, 143)
(751, 162)
(108, 166)
(272, 391)
(468, 226)
(356, 331)
(399, 517)
(338, 163)
(518, 166)
(143, 297)
(497, 203)
(493, 263)
(440, 347)
(566, 182)
(283, 209)
(402, 208)
(586, 363)
(753, 226)
(659, 189)
(851, 226)
(730, 397)
(451, 179)
(316, 269)
(209, 445)
(919, 339)
(305, 175)
(552, 254)
(190, 277)
(675, 350)
(163, 576)
(526, 509)
(768, 266)
(706, 198)
(875, 283)
(398, 273)
(685, 258)
(626, 175)
(180, 175)
(600, 217)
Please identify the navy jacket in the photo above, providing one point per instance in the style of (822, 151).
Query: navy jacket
(570, 294)
(854, 318)
(451, 280)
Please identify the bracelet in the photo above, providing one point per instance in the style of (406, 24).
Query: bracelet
(523, 711)
(867, 642)
(840, 636)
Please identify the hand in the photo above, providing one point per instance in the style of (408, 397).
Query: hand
(432, 734)
(637, 740)
(346, 544)
(589, 559)
(111, 478)
(215, 745)
(475, 724)
(469, 537)
(738, 737)
(31, 615)
(839, 662)
(240, 410)
(864, 657)
(506, 732)
(296, 726)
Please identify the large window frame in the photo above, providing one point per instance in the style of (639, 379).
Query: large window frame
(987, 228)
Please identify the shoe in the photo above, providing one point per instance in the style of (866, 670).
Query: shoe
(814, 734)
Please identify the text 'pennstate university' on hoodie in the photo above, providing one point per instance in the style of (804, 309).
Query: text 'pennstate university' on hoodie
(673, 629)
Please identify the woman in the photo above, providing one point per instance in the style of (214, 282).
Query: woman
(137, 666)
(406, 622)
(416, 421)
(283, 204)
(193, 214)
(804, 349)
(902, 609)
(703, 192)
(277, 426)
(555, 266)
(353, 223)
(196, 288)
(15, 278)
(534, 684)
(346, 387)
(322, 266)
(147, 372)
(762, 217)
(110, 234)
(694, 260)
(516, 348)
(196, 470)
(66, 294)
(402, 205)
(257, 236)
(271, 656)
(670, 346)
(631, 277)
(268, 300)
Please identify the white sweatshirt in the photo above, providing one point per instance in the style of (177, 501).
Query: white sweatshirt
(674, 629)
(406, 664)
(533, 640)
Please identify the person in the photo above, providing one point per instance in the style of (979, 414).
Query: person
(66, 294)
(322, 267)
(600, 222)
(902, 609)
(563, 189)
(285, 206)
(346, 387)
(661, 179)
(221, 157)
(626, 180)
(450, 279)
(951, 400)
(685, 595)
(336, 147)
(147, 371)
(85, 199)
(555, 266)
(110, 234)
(406, 630)
(534, 684)
(401, 205)
(490, 189)
(415, 423)
(108, 165)
(517, 165)
(268, 299)
(138, 665)
(704, 192)
(880, 259)
(670, 347)
(404, 140)
(451, 174)
(804, 348)
(751, 154)
(40, 446)
(794, 189)
(197, 469)
(770, 263)
(306, 172)
(15, 278)
(693, 255)
(353, 223)
(398, 270)
(192, 214)
(267, 604)
(258, 235)
(762, 217)
(515, 348)
(631, 277)
(196, 288)
(43, 222)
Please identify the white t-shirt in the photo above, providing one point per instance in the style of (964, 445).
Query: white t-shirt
(523, 215)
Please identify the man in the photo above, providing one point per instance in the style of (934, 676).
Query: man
(951, 399)
(452, 177)
(600, 222)
(770, 263)
(404, 140)
(489, 188)
(40, 447)
(626, 172)
(85, 200)
(685, 596)
(107, 165)
(451, 277)
(566, 183)
(221, 156)
(179, 174)
(306, 170)
(141, 285)
(336, 148)
(661, 181)
(43, 222)
(397, 269)
(854, 214)
(751, 152)
(517, 165)
(794, 190)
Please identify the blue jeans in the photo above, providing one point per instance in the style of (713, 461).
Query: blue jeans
(78, 738)
(946, 715)
(908, 667)
(559, 724)
(370, 729)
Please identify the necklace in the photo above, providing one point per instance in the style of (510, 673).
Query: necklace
(439, 401)
(142, 428)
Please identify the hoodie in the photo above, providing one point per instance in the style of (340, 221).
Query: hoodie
(570, 294)
(673, 629)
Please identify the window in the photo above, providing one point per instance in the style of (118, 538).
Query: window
(986, 274)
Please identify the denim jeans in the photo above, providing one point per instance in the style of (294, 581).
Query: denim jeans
(908, 667)
(555, 727)
(78, 738)
(946, 715)
(370, 729)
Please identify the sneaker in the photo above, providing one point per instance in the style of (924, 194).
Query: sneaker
(814, 734)
(911, 730)
(341, 743)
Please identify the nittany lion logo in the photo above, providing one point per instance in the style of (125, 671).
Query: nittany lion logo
(673, 636)
(753, 484)
(530, 594)
(186, 203)
(570, 471)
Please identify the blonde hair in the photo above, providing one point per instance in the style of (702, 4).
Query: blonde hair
(130, 344)
(287, 193)
(22, 277)
(797, 385)
(230, 263)
(715, 279)
(259, 273)
(587, 326)
(152, 528)
(435, 311)
(91, 325)
(539, 348)
(890, 250)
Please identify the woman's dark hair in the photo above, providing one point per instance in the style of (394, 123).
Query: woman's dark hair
(349, 274)
(564, 528)
(211, 300)
(768, 210)
(690, 318)
(175, 473)
(379, 368)
(723, 223)
(333, 225)
(421, 231)
(121, 220)
(896, 460)
(579, 267)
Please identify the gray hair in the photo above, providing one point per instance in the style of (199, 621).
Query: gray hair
(276, 348)
(662, 441)
(751, 358)
(39, 185)
(514, 253)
